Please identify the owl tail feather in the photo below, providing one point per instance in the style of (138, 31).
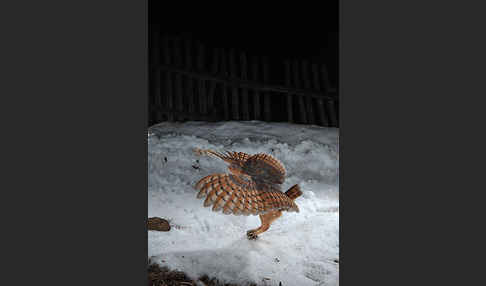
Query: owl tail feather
(294, 192)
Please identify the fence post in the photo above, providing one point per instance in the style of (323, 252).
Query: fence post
(332, 112)
(234, 89)
(151, 100)
(256, 98)
(168, 80)
(266, 95)
(178, 78)
(297, 84)
(308, 99)
(189, 95)
(157, 77)
(336, 108)
(189, 86)
(201, 83)
(320, 102)
(290, 114)
(244, 91)
(224, 87)
(212, 84)
(330, 103)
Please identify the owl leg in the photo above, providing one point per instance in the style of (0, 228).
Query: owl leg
(267, 219)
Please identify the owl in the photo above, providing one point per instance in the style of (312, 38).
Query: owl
(252, 187)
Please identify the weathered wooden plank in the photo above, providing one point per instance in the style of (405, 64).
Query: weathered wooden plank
(188, 80)
(189, 93)
(203, 103)
(331, 108)
(290, 115)
(315, 77)
(158, 92)
(157, 76)
(234, 91)
(226, 105)
(330, 105)
(308, 99)
(224, 88)
(256, 93)
(151, 95)
(325, 78)
(169, 95)
(239, 83)
(305, 74)
(320, 102)
(266, 95)
(244, 91)
(152, 115)
(300, 98)
(321, 109)
(150, 99)
(169, 92)
(201, 88)
(179, 92)
(336, 108)
(213, 84)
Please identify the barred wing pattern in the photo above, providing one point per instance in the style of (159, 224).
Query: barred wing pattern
(238, 158)
(253, 187)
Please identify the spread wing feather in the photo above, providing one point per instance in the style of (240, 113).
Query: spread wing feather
(234, 195)
(237, 158)
(253, 187)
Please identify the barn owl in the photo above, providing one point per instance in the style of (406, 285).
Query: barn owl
(252, 187)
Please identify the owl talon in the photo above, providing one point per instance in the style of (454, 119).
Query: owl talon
(251, 235)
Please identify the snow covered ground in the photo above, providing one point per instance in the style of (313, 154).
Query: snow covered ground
(298, 249)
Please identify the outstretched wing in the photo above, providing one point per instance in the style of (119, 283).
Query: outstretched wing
(239, 195)
(237, 158)
(264, 169)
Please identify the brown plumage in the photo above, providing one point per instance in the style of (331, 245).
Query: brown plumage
(251, 188)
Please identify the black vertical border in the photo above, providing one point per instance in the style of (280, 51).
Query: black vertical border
(411, 142)
(74, 185)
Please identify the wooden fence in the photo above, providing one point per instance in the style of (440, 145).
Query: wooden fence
(189, 82)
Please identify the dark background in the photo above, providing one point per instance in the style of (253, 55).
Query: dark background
(310, 34)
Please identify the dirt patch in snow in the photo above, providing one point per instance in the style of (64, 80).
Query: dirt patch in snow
(162, 276)
(158, 276)
(157, 223)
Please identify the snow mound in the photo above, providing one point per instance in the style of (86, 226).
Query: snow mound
(298, 249)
